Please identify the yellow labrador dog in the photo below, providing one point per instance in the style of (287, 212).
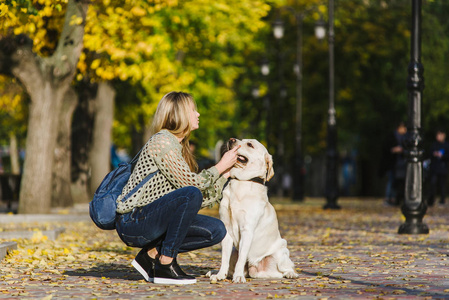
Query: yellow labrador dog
(251, 220)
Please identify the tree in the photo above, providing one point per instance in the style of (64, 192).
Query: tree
(61, 171)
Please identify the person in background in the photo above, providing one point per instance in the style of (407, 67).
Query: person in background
(115, 159)
(439, 157)
(394, 165)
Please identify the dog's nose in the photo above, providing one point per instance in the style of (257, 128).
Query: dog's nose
(230, 142)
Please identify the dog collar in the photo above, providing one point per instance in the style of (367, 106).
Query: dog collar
(258, 180)
(255, 179)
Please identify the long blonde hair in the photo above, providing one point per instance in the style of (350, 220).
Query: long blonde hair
(173, 114)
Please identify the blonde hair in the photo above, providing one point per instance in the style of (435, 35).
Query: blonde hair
(173, 114)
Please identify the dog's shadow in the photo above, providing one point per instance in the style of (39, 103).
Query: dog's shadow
(126, 272)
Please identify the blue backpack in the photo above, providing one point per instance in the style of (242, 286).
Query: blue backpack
(102, 208)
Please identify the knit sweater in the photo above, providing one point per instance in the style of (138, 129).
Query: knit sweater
(163, 152)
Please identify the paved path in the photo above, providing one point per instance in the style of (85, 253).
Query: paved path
(354, 253)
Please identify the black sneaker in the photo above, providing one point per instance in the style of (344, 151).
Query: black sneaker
(145, 265)
(171, 274)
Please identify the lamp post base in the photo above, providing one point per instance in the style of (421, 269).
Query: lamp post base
(413, 220)
(331, 205)
(413, 227)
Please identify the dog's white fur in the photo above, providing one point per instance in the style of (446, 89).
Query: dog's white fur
(251, 221)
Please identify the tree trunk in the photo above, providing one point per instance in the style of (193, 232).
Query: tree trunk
(82, 127)
(35, 192)
(100, 153)
(61, 194)
(46, 81)
(14, 154)
(147, 131)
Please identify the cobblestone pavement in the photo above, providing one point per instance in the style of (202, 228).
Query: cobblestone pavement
(353, 253)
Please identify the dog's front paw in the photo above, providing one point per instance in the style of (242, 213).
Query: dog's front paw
(217, 277)
(238, 279)
(290, 274)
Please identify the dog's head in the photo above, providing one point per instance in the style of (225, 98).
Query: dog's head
(253, 160)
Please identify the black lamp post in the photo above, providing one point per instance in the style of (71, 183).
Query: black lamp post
(414, 208)
(278, 32)
(331, 153)
(320, 32)
(265, 70)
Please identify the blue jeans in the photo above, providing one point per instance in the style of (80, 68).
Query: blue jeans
(389, 189)
(171, 224)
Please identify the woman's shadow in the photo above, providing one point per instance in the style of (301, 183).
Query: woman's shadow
(126, 271)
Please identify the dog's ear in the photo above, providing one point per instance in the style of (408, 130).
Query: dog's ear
(269, 163)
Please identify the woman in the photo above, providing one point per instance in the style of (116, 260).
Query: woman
(162, 216)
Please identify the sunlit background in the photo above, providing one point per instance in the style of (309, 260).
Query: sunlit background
(249, 64)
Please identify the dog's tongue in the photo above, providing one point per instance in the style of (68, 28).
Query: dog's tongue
(242, 159)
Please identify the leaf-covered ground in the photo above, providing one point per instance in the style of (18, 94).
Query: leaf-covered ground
(352, 253)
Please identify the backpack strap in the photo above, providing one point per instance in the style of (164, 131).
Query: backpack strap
(134, 160)
(145, 180)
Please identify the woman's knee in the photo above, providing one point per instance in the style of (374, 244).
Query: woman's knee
(219, 231)
(194, 195)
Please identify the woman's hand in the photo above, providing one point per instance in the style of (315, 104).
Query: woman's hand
(227, 161)
(227, 174)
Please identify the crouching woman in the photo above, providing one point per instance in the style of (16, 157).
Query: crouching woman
(162, 216)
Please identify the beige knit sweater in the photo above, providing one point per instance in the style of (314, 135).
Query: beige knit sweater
(163, 152)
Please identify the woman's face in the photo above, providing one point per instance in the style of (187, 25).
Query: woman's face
(194, 118)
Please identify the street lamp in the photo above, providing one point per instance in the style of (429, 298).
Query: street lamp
(320, 32)
(414, 208)
(265, 68)
(278, 29)
(331, 153)
(320, 29)
(255, 92)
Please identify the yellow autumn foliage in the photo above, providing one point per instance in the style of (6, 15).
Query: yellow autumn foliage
(160, 45)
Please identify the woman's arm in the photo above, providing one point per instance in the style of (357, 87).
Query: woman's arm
(166, 152)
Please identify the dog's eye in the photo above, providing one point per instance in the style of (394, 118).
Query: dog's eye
(250, 145)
